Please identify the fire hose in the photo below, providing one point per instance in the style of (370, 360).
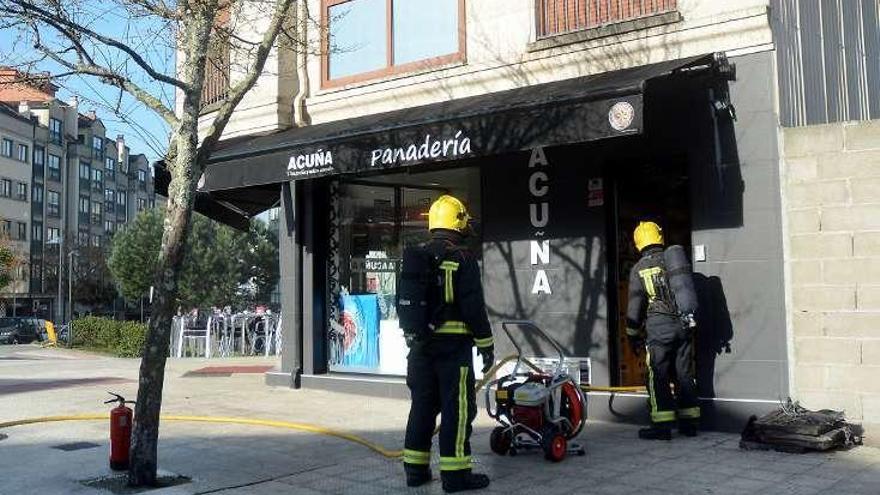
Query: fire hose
(306, 427)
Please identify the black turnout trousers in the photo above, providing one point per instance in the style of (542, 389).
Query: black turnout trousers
(671, 356)
(440, 378)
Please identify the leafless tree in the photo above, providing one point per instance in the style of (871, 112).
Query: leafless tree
(127, 44)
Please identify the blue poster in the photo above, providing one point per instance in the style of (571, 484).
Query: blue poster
(360, 319)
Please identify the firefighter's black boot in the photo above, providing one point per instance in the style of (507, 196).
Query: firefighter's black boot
(459, 481)
(417, 475)
(688, 427)
(656, 432)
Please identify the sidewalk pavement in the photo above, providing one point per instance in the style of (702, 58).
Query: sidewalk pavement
(250, 460)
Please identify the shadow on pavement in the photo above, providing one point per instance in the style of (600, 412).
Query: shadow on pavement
(18, 385)
(233, 459)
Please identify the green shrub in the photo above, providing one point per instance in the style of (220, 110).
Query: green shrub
(131, 338)
(121, 338)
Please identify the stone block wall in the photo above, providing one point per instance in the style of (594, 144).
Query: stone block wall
(832, 201)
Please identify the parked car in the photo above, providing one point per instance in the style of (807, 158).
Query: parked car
(20, 330)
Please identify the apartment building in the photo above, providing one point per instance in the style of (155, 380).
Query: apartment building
(16, 146)
(743, 127)
(77, 185)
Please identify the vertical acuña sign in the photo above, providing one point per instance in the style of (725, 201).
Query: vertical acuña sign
(539, 217)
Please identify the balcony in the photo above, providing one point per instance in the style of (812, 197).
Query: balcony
(559, 17)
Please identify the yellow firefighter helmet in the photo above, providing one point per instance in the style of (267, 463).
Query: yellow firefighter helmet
(647, 234)
(449, 213)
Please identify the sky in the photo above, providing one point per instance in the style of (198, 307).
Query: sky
(145, 132)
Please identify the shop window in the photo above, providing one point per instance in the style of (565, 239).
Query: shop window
(555, 17)
(375, 220)
(375, 38)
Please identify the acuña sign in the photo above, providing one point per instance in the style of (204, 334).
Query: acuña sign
(539, 217)
(459, 145)
(319, 162)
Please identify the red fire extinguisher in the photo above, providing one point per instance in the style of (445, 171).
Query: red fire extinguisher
(120, 432)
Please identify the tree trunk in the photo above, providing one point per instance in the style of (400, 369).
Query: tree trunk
(145, 435)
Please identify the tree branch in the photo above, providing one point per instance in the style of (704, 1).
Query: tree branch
(33, 11)
(282, 9)
(110, 77)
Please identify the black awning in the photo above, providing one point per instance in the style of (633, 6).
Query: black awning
(564, 112)
(234, 207)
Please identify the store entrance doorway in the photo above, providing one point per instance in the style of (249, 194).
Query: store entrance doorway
(650, 190)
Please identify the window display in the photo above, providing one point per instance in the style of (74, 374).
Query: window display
(372, 222)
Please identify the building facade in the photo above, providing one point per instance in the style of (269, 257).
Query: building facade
(562, 124)
(74, 194)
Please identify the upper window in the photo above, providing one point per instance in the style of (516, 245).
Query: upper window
(39, 155)
(7, 147)
(55, 131)
(98, 146)
(54, 167)
(22, 153)
(555, 17)
(375, 38)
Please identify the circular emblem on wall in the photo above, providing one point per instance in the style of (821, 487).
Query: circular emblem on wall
(621, 115)
(201, 182)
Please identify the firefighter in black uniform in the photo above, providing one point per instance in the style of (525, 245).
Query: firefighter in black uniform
(657, 323)
(440, 371)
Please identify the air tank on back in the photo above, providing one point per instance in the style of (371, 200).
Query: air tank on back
(681, 279)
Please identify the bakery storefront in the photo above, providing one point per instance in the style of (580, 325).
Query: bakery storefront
(556, 176)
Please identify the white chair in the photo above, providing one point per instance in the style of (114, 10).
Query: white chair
(193, 338)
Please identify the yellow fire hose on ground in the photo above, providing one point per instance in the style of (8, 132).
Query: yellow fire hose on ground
(375, 447)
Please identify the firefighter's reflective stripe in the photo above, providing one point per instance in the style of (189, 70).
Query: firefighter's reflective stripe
(487, 342)
(462, 411)
(633, 332)
(416, 457)
(656, 416)
(453, 327)
(448, 267)
(648, 278)
(457, 463)
(689, 413)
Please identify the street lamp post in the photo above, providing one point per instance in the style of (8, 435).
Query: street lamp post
(59, 314)
(70, 295)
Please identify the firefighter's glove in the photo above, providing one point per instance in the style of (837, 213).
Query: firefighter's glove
(410, 339)
(689, 321)
(488, 355)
